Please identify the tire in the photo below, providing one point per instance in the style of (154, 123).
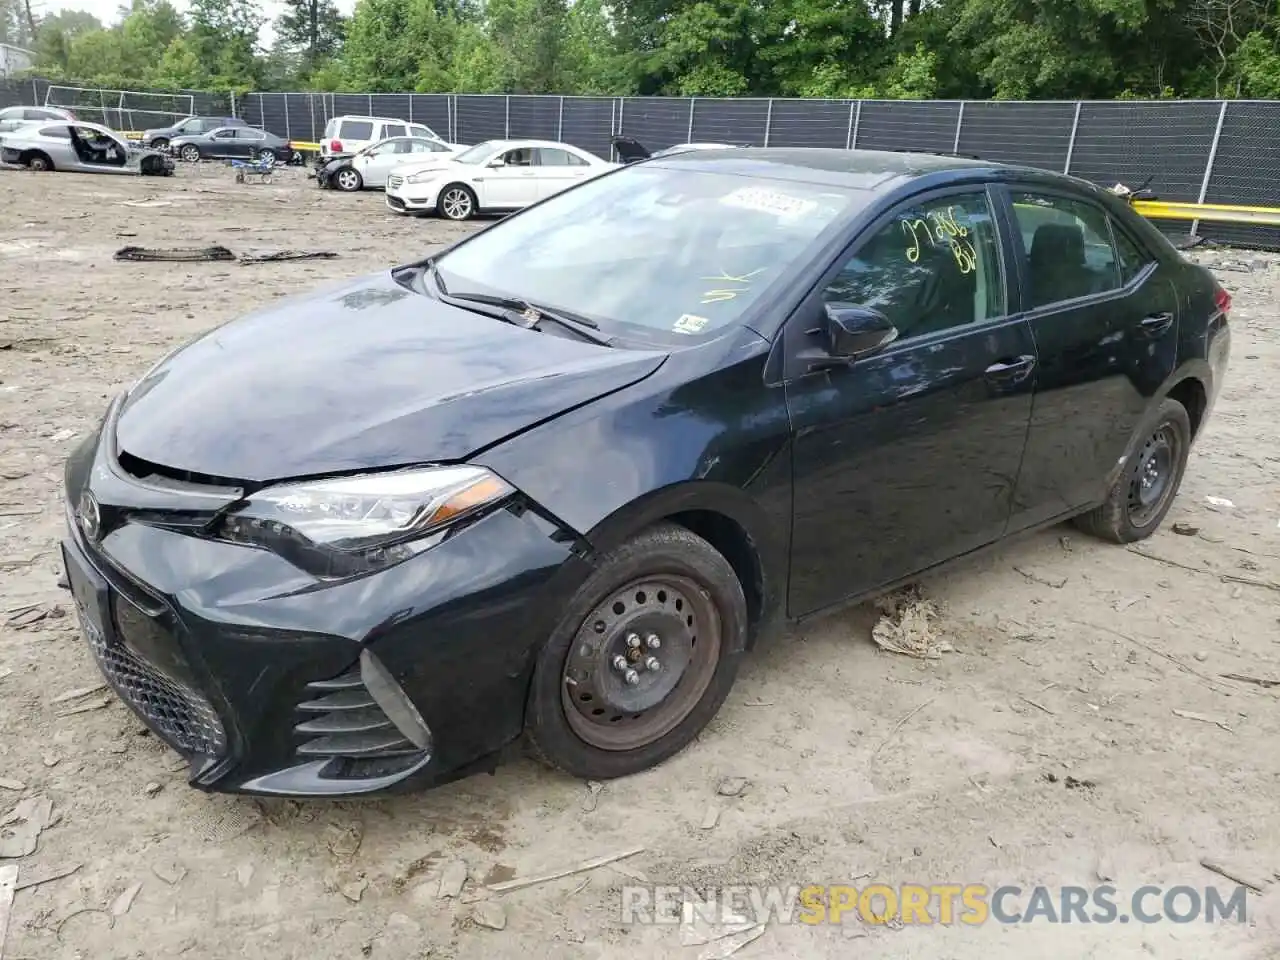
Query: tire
(668, 583)
(190, 153)
(1158, 455)
(347, 180)
(38, 162)
(159, 143)
(457, 201)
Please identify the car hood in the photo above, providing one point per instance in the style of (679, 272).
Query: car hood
(424, 166)
(367, 375)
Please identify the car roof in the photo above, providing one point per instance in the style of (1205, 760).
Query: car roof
(859, 169)
(502, 144)
(362, 116)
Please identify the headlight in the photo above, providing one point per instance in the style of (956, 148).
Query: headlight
(349, 525)
(426, 176)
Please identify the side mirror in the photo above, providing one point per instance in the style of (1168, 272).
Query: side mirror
(855, 331)
(497, 163)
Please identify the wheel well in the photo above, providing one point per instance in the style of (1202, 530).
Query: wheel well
(1191, 394)
(735, 545)
(26, 155)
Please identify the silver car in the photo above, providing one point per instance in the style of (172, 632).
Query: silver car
(75, 146)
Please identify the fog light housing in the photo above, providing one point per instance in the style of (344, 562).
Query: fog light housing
(395, 703)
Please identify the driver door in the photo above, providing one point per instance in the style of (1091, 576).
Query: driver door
(511, 185)
(908, 456)
(374, 165)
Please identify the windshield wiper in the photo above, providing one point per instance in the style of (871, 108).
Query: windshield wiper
(525, 314)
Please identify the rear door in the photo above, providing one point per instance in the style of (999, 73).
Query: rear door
(909, 456)
(1104, 317)
(221, 143)
(558, 169)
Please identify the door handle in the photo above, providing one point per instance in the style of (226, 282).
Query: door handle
(1157, 323)
(1011, 369)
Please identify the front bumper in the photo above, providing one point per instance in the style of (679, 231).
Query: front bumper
(270, 682)
(405, 197)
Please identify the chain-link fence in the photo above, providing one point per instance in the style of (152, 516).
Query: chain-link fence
(1193, 150)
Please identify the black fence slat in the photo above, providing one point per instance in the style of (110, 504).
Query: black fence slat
(432, 110)
(739, 122)
(1031, 134)
(656, 122)
(480, 118)
(534, 118)
(588, 123)
(1246, 170)
(273, 116)
(811, 123)
(907, 125)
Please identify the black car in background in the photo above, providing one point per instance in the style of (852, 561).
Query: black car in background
(160, 137)
(554, 481)
(238, 142)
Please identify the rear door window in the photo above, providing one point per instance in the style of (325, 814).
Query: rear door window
(356, 130)
(1132, 257)
(555, 157)
(418, 131)
(392, 130)
(1068, 248)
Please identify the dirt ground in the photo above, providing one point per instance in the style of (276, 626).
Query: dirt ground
(1077, 728)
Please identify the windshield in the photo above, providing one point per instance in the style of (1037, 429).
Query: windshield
(675, 253)
(477, 153)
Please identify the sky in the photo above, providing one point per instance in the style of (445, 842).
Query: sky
(108, 11)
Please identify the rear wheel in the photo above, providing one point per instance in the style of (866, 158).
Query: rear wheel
(348, 180)
(457, 202)
(159, 143)
(1144, 491)
(642, 660)
(190, 153)
(39, 162)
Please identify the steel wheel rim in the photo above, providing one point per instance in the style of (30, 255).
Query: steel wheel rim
(1152, 484)
(347, 179)
(190, 154)
(615, 707)
(456, 204)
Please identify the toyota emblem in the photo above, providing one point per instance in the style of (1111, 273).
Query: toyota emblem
(89, 516)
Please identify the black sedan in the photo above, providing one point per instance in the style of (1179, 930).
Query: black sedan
(554, 482)
(237, 142)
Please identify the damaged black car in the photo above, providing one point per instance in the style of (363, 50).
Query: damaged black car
(552, 484)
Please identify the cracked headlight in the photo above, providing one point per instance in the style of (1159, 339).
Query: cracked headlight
(344, 526)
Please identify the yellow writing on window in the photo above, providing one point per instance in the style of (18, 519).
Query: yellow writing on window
(727, 293)
(941, 227)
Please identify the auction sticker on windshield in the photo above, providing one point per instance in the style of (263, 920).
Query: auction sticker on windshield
(770, 201)
(689, 323)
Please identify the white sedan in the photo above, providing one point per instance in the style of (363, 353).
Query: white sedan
(494, 176)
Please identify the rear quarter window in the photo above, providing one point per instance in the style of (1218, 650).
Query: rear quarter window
(356, 130)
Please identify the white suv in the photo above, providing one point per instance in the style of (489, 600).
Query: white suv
(351, 134)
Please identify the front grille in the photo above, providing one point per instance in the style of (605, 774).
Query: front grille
(344, 723)
(180, 715)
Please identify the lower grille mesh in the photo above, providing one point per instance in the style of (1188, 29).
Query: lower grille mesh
(179, 714)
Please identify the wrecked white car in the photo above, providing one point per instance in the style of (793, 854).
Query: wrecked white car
(74, 146)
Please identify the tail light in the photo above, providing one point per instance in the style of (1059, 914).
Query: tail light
(1222, 300)
(335, 146)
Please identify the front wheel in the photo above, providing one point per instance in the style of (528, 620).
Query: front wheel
(190, 153)
(642, 660)
(348, 180)
(457, 202)
(1143, 492)
(159, 143)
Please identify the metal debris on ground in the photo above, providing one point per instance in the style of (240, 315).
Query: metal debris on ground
(728, 946)
(489, 914)
(732, 786)
(452, 877)
(1254, 884)
(582, 867)
(8, 885)
(1189, 715)
(170, 873)
(593, 796)
(21, 827)
(120, 906)
(78, 693)
(41, 879)
(1219, 502)
(1263, 682)
(907, 625)
(276, 256)
(183, 254)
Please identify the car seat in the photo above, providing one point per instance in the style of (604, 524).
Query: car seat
(1058, 269)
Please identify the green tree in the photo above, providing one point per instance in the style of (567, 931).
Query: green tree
(312, 26)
